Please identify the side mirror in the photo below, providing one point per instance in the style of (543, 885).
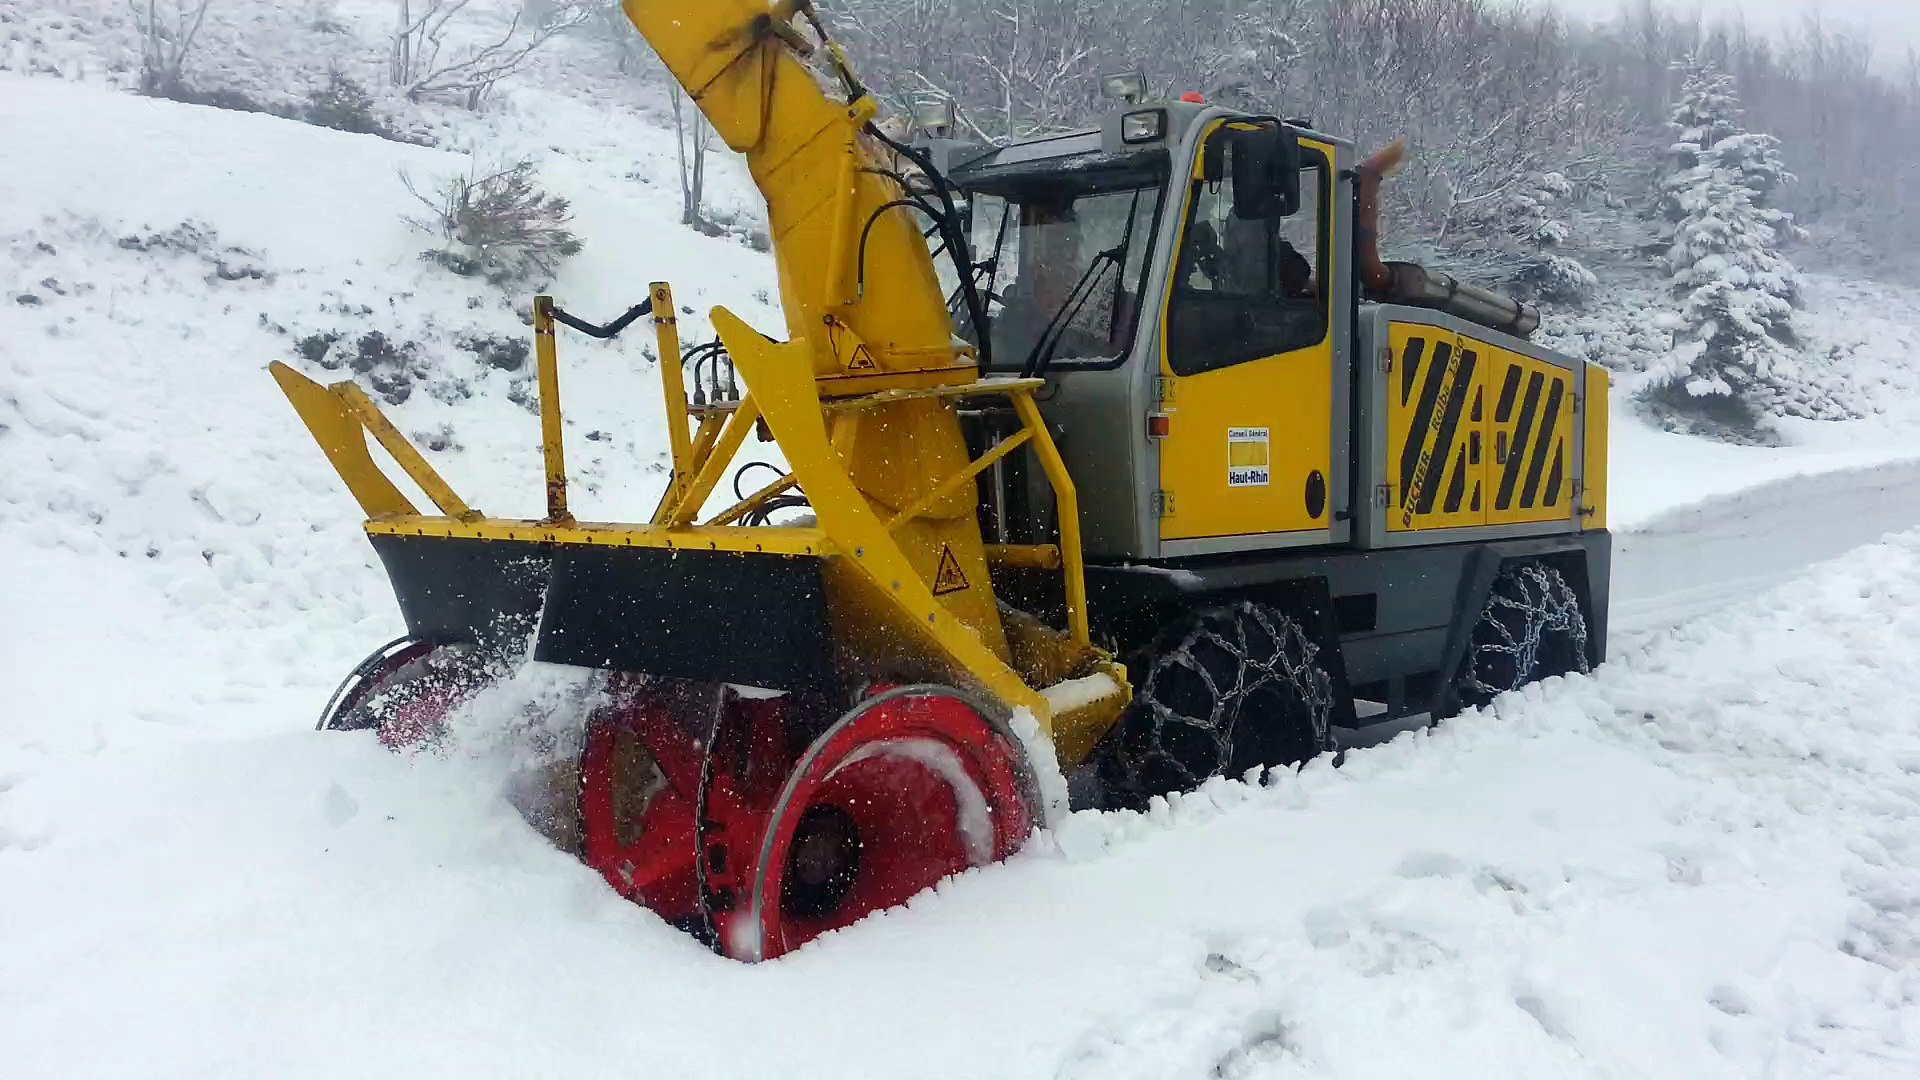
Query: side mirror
(1266, 171)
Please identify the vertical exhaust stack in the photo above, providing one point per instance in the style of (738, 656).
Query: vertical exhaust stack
(1411, 283)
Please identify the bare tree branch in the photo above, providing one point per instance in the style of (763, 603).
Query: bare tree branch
(167, 32)
(416, 67)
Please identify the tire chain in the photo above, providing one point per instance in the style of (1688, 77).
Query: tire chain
(1545, 602)
(1292, 665)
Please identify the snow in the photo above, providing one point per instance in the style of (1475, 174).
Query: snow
(1697, 558)
(1695, 864)
(1652, 472)
(1070, 694)
(1698, 862)
(1049, 782)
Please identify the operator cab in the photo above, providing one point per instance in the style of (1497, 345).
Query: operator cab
(1062, 234)
(1065, 239)
(1174, 267)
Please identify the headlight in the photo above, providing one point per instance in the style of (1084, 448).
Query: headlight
(1144, 126)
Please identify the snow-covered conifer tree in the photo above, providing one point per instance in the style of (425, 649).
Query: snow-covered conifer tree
(1735, 358)
(1534, 218)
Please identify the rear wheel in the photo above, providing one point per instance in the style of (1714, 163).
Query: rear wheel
(1530, 629)
(1226, 690)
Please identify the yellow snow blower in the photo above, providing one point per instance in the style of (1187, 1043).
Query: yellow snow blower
(1163, 401)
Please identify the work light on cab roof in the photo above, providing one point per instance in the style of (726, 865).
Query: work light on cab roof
(935, 116)
(1127, 86)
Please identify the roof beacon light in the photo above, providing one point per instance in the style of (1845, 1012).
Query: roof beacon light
(1194, 97)
(1127, 86)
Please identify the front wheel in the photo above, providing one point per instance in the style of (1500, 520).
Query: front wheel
(1226, 690)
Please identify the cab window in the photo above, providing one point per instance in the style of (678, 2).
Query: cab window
(1064, 274)
(1247, 288)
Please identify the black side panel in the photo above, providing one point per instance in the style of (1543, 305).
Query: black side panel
(1599, 594)
(731, 616)
(457, 589)
(1307, 600)
(1420, 600)
(1590, 571)
(748, 618)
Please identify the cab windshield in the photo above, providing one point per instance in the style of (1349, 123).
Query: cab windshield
(1060, 271)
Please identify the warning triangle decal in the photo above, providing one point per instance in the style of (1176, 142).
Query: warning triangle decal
(948, 578)
(863, 361)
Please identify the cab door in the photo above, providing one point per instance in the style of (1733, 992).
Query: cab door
(1246, 363)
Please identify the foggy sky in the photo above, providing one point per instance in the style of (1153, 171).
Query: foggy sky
(1892, 25)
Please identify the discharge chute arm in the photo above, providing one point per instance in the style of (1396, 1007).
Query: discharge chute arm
(819, 164)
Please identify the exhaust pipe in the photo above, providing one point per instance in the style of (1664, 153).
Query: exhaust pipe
(1413, 284)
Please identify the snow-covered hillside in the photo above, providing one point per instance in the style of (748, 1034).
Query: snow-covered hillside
(1700, 862)
(156, 257)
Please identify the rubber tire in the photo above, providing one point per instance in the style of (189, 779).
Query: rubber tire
(1222, 691)
(1531, 628)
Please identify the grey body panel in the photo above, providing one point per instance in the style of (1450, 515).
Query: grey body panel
(1221, 545)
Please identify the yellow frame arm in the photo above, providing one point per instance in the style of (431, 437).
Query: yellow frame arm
(340, 417)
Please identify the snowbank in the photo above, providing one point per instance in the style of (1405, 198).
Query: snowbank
(1697, 864)
(1698, 558)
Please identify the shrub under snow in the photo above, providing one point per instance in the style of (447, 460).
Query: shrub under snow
(501, 226)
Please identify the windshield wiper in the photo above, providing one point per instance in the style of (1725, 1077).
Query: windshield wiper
(1042, 352)
(989, 265)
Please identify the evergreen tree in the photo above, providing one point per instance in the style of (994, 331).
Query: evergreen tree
(1755, 159)
(1707, 112)
(1708, 134)
(1534, 219)
(1734, 359)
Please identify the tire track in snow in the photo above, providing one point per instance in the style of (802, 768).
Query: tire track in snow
(1696, 560)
